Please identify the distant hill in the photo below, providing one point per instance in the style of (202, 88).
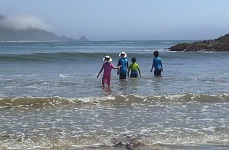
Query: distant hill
(30, 34)
(8, 33)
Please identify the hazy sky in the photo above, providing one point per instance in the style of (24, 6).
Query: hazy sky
(122, 19)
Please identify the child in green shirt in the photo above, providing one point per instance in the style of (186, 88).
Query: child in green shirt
(134, 68)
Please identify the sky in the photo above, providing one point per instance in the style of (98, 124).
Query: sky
(101, 20)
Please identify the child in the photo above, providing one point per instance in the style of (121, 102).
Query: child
(107, 67)
(134, 69)
(124, 65)
(157, 64)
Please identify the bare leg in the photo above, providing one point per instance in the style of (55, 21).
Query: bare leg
(108, 84)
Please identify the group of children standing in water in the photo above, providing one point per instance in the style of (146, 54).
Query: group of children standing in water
(124, 69)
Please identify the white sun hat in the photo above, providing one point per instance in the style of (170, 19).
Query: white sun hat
(107, 59)
(123, 53)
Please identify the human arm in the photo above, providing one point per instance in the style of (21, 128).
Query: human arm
(117, 67)
(139, 71)
(153, 65)
(151, 68)
(161, 67)
(100, 72)
(119, 63)
(128, 72)
(114, 67)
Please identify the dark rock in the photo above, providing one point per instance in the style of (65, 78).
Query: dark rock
(128, 143)
(219, 44)
(83, 39)
(180, 47)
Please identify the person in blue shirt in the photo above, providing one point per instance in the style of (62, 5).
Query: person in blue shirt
(157, 64)
(123, 62)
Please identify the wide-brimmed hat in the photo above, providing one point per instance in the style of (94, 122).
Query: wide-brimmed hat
(123, 53)
(107, 59)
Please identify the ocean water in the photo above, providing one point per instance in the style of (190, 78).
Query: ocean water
(50, 97)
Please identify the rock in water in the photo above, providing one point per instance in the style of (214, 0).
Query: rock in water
(219, 44)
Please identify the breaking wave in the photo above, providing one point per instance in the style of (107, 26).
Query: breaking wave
(43, 102)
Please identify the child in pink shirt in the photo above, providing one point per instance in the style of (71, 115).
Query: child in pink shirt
(107, 67)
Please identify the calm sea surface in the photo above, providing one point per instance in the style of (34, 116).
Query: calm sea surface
(50, 98)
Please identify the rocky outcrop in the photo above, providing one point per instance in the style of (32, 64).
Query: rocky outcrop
(83, 39)
(219, 44)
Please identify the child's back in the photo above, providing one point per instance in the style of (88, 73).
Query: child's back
(107, 68)
(157, 64)
(134, 68)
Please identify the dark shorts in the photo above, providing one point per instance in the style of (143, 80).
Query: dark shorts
(157, 72)
(122, 76)
(134, 74)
